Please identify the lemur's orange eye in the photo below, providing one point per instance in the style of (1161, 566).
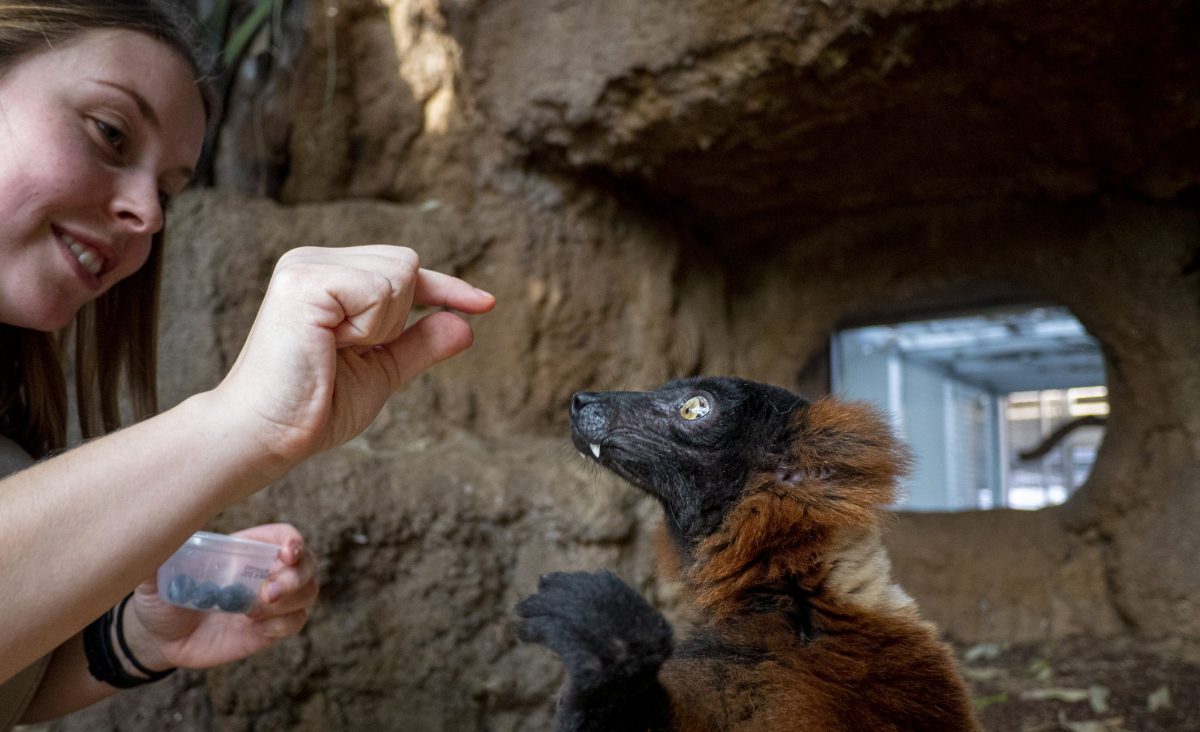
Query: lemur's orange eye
(694, 408)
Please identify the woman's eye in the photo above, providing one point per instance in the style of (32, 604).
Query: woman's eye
(111, 134)
(694, 408)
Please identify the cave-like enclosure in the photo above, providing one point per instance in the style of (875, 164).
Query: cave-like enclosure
(925, 159)
(664, 188)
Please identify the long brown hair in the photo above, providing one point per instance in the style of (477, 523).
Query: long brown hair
(115, 335)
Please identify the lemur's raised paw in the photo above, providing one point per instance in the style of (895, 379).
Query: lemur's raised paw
(605, 632)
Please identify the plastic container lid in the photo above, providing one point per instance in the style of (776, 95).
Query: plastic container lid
(209, 541)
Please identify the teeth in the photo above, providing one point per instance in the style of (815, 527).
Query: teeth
(90, 262)
(595, 450)
(88, 258)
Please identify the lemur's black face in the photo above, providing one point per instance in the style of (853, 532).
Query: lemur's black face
(691, 443)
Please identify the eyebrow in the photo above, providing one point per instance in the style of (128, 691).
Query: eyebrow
(142, 105)
(148, 114)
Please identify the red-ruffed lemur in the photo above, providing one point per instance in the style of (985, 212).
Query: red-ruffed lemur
(772, 510)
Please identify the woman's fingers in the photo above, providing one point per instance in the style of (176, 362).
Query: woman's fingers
(432, 339)
(400, 267)
(369, 307)
(289, 578)
(442, 290)
(299, 384)
(361, 307)
(277, 627)
(292, 583)
(284, 595)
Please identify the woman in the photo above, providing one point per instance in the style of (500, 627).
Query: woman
(101, 122)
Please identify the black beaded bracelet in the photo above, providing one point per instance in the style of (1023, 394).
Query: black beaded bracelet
(103, 663)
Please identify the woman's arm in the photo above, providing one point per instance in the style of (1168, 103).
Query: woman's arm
(77, 532)
(162, 636)
(329, 346)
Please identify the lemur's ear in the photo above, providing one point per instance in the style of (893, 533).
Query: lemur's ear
(843, 446)
(796, 475)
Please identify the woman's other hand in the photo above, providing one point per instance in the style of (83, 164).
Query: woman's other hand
(162, 635)
(331, 343)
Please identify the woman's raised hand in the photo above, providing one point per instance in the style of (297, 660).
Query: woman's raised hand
(331, 343)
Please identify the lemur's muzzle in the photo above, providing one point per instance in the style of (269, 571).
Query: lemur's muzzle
(589, 415)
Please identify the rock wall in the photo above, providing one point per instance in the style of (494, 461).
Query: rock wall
(665, 188)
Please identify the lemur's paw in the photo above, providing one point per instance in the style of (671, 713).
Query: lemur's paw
(605, 632)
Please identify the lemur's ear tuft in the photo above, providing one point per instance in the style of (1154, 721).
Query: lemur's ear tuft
(846, 449)
(797, 475)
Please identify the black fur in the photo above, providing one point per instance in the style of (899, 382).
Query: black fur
(695, 468)
(612, 643)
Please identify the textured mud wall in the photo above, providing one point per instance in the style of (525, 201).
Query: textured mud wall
(656, 189)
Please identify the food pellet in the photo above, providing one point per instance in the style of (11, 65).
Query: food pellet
(181, 589)
(206, 595)
(235, 598)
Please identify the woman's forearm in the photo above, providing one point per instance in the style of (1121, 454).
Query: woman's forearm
(80, 530)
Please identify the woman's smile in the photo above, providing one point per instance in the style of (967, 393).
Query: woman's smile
(87, 257)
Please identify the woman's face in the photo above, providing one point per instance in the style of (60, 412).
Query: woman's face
(95, 135)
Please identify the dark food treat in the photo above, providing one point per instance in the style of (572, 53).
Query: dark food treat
(180, 589)
(236, 598)
(206, 595)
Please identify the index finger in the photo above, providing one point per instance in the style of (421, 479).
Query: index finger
(287, 537)
(442, 290)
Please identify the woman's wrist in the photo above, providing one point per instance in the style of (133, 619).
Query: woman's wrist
(139, 652)
(235, 444)
(111, 660)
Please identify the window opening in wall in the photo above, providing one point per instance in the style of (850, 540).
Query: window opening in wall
(1004, 408)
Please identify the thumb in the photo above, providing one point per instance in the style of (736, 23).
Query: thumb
(431, 340)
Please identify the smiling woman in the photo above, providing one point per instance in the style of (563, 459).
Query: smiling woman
(98, 135)
(102, 119)
(70, 118)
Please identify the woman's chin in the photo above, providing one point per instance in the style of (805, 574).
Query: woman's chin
(46, 320)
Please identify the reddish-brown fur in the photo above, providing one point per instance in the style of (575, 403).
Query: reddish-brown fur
(807, 530)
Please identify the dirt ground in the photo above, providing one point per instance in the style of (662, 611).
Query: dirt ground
(1086, 684)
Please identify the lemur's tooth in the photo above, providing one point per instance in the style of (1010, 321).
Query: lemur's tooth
(595, 449)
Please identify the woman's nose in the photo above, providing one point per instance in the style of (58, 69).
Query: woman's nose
(137, 205)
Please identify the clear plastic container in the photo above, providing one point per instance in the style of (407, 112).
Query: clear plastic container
(216, 573)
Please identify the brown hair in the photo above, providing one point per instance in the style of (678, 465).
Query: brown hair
(115, 335)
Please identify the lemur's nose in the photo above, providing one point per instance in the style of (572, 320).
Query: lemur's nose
(581, 399)
(589, 414)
